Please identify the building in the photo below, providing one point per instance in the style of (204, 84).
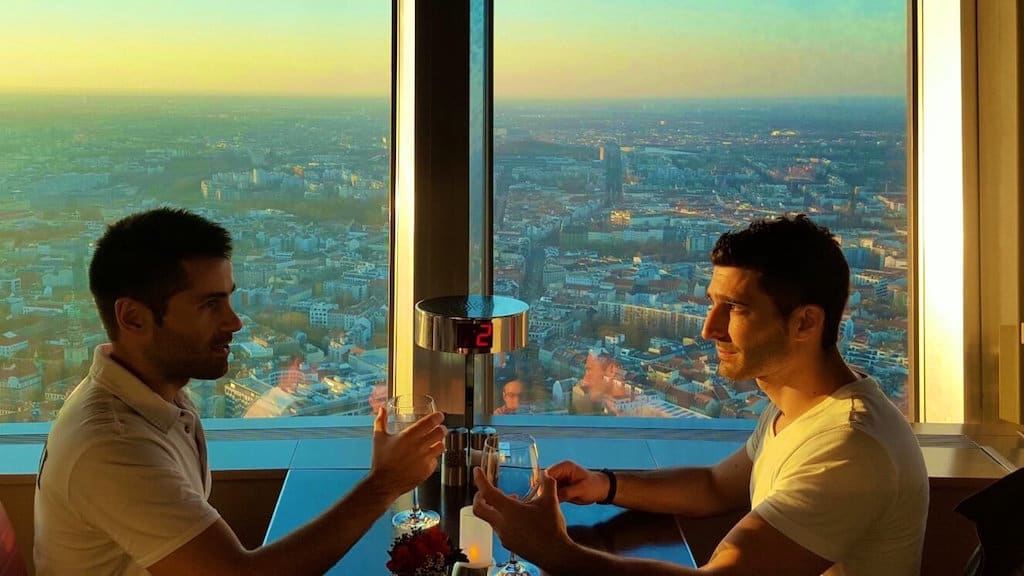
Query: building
(11, 344)
(611, 157)
(241, 393)
(21, 382)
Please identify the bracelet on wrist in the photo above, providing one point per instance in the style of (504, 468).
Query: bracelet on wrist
(612, 486)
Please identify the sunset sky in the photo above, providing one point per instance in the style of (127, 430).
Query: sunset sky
(567, 49)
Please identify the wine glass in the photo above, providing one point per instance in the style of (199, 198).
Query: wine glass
(510, 461)
(404, 411)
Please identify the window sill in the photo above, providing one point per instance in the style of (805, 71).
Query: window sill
(951, 451)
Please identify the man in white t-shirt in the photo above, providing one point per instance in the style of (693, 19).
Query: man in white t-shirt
(123, 483)
(833, 477)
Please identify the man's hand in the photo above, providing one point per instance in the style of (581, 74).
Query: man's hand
(534, 530)
(402, 461)
(579, 485)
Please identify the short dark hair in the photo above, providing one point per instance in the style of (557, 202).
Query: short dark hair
(140, 257)
(799, 261)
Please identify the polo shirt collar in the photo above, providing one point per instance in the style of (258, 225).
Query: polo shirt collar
(126, 386)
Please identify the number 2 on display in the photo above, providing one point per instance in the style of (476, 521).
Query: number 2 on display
(483, 338)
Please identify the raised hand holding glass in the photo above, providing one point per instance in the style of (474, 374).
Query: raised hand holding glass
(404, 411)
(511, 462)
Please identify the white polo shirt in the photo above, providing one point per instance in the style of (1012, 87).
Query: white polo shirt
(846, 480)
(123, 481)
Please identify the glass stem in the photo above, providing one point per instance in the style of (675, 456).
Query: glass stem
(416, 502)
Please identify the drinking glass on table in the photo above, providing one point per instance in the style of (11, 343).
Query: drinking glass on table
(404, 411)
(511, 462)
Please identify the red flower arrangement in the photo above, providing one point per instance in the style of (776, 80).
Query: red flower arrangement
(427, 552)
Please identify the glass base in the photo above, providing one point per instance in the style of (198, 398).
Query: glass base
(409, 519)
(518, 568)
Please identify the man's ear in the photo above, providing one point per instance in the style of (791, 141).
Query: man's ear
(807, 323)
(133, 317)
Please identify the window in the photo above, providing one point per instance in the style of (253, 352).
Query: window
(273, 119)
(658, 127)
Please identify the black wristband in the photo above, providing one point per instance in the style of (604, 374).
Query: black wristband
(612, 486)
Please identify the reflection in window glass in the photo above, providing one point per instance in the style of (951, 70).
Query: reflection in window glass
(629, 136)
(272, 120)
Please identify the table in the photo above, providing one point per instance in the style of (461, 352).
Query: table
(307, 493)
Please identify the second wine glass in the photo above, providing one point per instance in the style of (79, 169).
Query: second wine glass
(404, 411)
(511, 462)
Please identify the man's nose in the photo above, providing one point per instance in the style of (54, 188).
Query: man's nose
(715, 325)
(234, 321)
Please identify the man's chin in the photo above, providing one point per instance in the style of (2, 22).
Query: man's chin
(210, 372)
(731, 373)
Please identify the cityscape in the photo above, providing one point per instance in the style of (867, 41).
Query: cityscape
(301, 185)
(604, 217)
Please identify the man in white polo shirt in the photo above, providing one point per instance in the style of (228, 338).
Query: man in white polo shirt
(123, 483)
(833, 477)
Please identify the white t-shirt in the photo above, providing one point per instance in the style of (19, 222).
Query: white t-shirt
(846, 480)
(123, 481)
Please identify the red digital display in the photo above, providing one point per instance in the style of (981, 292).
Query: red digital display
(475, 335)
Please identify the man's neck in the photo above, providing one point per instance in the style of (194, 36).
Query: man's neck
(798, 388)
(165, 388)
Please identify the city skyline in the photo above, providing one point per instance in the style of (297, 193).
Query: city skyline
(603, 219)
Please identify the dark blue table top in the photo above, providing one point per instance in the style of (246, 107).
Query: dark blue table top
(307, 493)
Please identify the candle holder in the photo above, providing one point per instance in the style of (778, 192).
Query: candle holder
(464, 569)
(476, 539)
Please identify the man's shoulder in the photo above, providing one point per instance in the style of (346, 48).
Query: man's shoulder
(92, 419)
(856, 419)
(885, 453)
(862, 405)
(90, 411)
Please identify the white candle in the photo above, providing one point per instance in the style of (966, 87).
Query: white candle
(475, 538)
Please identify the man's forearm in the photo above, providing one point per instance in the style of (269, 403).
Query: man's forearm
(686, 491)
(320, 544)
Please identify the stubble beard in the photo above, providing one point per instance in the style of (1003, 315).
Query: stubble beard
(753, 362)
(180, 359)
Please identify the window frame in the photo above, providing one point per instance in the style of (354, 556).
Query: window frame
(433, 270)
(915, 385)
